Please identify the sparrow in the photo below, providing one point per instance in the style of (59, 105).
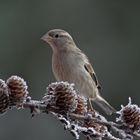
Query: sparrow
(70, 64)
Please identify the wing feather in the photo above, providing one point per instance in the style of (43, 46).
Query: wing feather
(90, 70)
(88, 67)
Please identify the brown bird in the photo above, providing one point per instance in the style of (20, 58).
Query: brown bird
(70, 64)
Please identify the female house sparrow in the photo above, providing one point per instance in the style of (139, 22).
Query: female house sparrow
(70, 64)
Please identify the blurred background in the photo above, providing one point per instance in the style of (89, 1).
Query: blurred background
(107, 31)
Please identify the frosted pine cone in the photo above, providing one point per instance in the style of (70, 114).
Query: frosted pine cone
(94, 129)
(130, 116)
(99, 128)
(62, 96)
(4, 97)
(81, 106)
(18, 90)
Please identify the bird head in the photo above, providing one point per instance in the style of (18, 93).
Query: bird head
(58, 39)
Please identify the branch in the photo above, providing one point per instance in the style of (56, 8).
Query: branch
(71, 110)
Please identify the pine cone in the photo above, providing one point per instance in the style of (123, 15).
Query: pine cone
(91, 124)
(81, 106)
(18, 90)
(131, 116)
(4, 97)
(99, 128)
(62, 96)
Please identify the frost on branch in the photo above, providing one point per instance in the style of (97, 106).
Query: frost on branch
(62, 101)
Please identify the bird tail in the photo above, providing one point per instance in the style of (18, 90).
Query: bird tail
(107, 108)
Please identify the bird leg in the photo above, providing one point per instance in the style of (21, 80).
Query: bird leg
(90, 107)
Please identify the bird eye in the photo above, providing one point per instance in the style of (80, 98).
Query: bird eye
(56, 36)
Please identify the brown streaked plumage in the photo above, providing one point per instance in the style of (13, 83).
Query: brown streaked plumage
(70, 64)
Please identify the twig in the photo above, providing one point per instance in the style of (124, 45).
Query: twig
(117, 129)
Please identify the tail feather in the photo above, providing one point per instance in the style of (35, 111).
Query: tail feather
(107, 108)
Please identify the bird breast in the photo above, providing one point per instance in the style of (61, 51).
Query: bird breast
(68, 67)
(63, 66)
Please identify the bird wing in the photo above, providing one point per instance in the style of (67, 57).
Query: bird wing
(90, 70)
(88, 67)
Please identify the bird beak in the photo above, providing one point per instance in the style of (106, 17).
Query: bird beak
(43, 38)
(46, 38)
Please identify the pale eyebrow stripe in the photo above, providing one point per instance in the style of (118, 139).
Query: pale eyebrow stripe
(65, 34)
